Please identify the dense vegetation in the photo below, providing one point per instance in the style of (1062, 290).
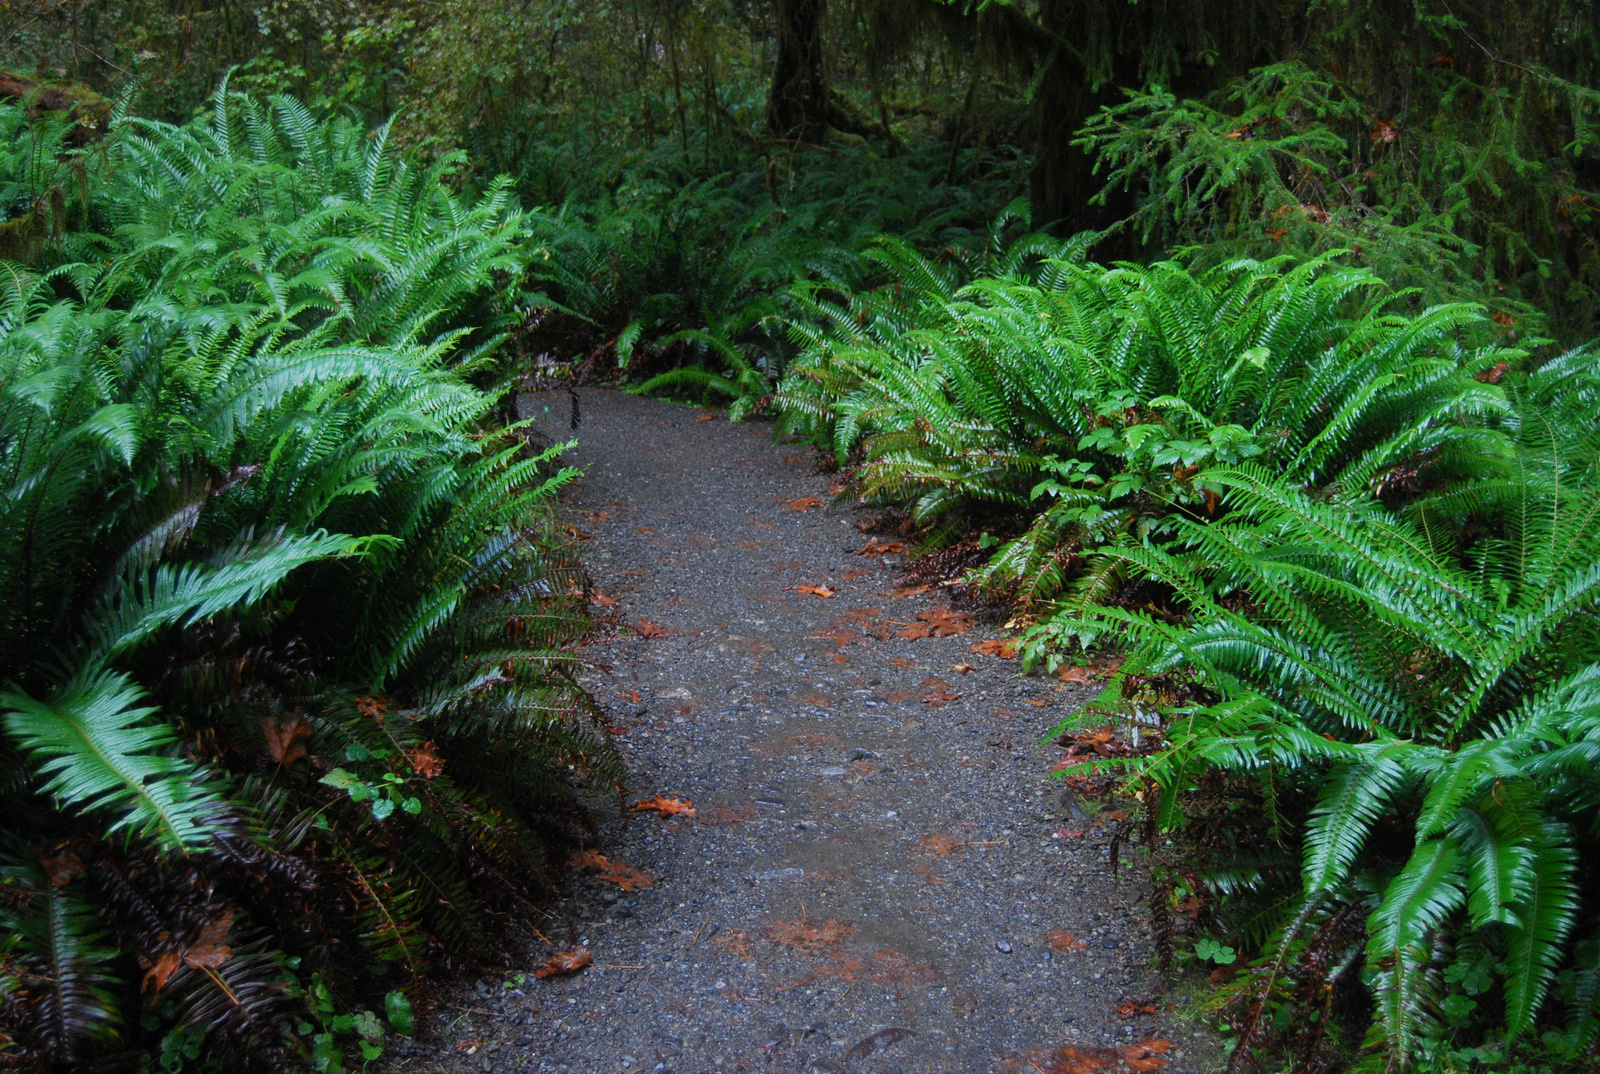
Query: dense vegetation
(1249, 342)
(287, 718)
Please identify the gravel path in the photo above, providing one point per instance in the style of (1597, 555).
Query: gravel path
(880, 874)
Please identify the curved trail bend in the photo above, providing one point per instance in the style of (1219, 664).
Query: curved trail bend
(878, 860)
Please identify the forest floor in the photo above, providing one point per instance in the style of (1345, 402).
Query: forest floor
(880, 873)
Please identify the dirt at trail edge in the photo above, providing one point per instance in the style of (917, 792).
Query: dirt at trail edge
(879, 874)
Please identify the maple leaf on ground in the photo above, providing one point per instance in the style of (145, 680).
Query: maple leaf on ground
(565, 962)
(667, 807)
(1147, 1055)
(814, 590)
(939, 693)
(937, 623)
(623, 875)
(875, 547)
(735, 941)
(1065, 941)
(598, 597)
(804, 503)
(938, 845)
(1078, 675)
(626, 877)
(424, 762)
(283, 738)
(804, 935)
(1081, 1059)
(1005, 650)
(646, 629)
(1133, 1008)
(963, 669)
(911, 591)
(706, 417)
(373, 707)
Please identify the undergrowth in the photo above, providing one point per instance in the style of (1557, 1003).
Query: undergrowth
(287, 637)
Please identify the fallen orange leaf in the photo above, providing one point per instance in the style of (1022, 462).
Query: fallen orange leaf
(1005, 650)
(802, 935)
(814, 590)
(599, 597)
(646, 629)
(706, 417)
(424, 762)
(875, 547)
(667, 807)
(1065, 941)
(565, 962)
(619, 873)
(937, 623)
(804, 503)
(963, 669)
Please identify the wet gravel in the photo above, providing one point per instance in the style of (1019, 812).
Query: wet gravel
(879, 866)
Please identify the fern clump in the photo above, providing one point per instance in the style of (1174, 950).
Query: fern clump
(288, 642)
(1413, 696)
(1080, 406)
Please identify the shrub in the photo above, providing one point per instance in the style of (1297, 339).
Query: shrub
(287, 636)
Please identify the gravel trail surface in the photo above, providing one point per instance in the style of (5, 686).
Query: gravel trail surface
(879, 874)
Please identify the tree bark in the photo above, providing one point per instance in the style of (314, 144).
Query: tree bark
(798, 103)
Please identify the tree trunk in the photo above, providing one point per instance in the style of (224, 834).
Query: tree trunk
(798, 103)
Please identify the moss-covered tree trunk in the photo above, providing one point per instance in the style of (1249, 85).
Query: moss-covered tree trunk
(798, 103)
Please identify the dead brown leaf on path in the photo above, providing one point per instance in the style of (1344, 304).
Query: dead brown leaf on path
(903, 663)
(807, 936)
(938, 845)
(1005, 650)
(911, 591)
(619, 873)
(599, 597)
(1065, 941)
(804, 503)
(643, 529)
(939, 693)
(565, 962)
(813, 590)
(576, 534)
(1134, 1008)
(937, 623)
(875, 547)
(883, 967)
(646, 629)
(735, 941)
(667, 807)
(963, 669)
(706, 417)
